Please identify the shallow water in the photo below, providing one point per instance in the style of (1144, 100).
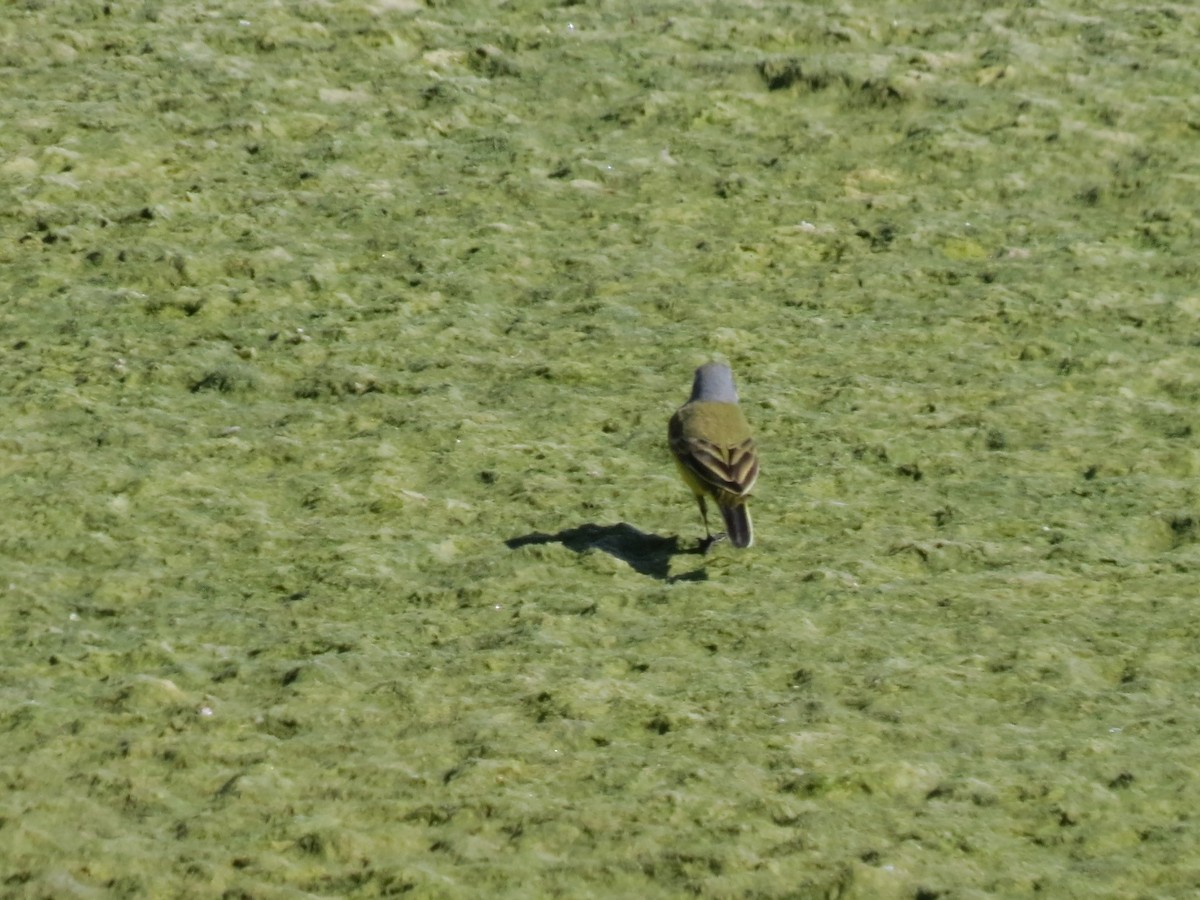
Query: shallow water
(343, 552)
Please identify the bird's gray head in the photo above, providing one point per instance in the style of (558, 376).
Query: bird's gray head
(714, 384)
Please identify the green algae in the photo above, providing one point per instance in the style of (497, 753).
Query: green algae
(343, 555)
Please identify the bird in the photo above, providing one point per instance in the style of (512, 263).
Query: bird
(711, 442)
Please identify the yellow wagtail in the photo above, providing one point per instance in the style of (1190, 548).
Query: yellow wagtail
(710, 440)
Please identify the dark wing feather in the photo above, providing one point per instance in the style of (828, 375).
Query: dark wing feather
(733, 469)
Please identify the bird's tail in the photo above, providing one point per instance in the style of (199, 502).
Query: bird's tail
(737, 524)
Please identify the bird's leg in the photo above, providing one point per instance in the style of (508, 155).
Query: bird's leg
(709, 540)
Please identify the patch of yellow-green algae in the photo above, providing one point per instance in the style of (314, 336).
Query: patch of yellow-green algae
(341, 551)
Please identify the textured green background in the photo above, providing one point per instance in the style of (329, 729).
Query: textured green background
(341, 551)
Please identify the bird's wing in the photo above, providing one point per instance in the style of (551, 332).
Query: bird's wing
(733, 469)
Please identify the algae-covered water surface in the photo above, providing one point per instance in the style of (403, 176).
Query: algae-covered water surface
(342, 553)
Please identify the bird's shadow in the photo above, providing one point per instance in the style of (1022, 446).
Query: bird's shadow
(647, 554)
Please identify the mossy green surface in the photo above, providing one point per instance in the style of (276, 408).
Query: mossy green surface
(342, 554)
